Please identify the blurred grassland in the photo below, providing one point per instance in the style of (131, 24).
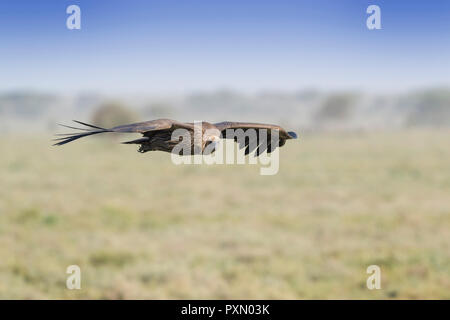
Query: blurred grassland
(141, 227)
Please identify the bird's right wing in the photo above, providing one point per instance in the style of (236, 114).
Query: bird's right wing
(141, 127)
(153, 125)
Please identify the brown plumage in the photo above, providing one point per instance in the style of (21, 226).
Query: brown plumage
(157, 135)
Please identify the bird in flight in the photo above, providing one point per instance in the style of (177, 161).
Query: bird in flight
(158, 135)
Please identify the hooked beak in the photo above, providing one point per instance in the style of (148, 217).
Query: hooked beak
(292, 134)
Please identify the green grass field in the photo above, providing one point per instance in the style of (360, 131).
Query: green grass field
(140, 227)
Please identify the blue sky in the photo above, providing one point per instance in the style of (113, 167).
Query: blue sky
(180, 46)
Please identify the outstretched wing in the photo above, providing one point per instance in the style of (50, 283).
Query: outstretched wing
(253, 139)
(145, 128)
(153, 125)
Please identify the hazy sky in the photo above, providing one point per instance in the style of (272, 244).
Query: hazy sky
(163, 46)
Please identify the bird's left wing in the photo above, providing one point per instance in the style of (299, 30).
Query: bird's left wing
(252, 141)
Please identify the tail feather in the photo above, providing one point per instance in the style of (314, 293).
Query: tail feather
(75, 137)
(137, 141)
(89, 125)
(63, 125)
(69, 137)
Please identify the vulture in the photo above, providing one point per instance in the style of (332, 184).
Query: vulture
(158, 135)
